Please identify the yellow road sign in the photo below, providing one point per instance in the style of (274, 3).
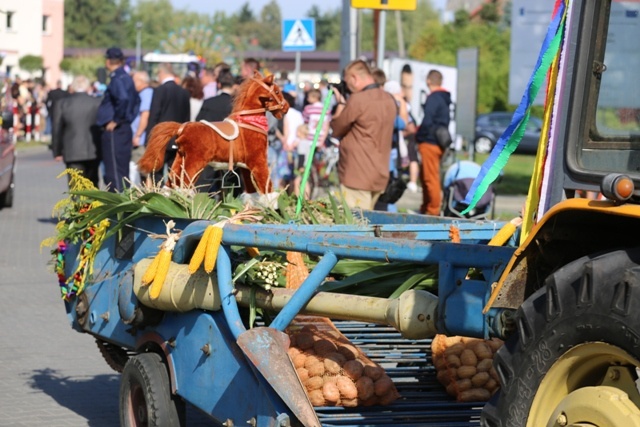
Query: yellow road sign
(385, 4)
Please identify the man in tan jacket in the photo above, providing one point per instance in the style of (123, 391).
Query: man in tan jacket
(364, 123)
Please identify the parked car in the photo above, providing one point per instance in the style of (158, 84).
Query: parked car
(7, 164)
(489, 128)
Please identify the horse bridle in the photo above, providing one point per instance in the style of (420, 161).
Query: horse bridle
(270, 89)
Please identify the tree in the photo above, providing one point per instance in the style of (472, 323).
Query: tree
(199, 39)
(30, 63)
(439, 44)
(90, 23)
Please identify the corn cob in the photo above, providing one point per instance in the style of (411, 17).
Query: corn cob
(198, 255)
(297, 270)
(164, 261)
(150, 273)
(213, 245)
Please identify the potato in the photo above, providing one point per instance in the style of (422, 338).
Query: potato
(323, 347)
(452, 389)
(484, 365)
(469, 341)
(466, 371)
(316, 370)
(347, 388)
(468, 358)
(464, 384)
(492, 385)
(333, 363)
(480, 379)
(311, 360)
(364, 385)
(455, 350)
(449, 341)
(309, 328)
(331, 393)
(314, 383)
(293, 352)
(349, 403)
(495, 344)
(304, 340)
(349, 351)
(373, 372)
(453, 361)
(316, 398)
(382, 386)
(353, 369)
(303, 374)
(443, 377)
(482, 351)
(389, 398)
(439, 362)
(474, 395)
(373, 400)
(299, 361)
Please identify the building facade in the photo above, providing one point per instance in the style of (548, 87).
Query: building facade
(32, 27)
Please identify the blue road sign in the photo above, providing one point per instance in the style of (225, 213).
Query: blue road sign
(298, 35)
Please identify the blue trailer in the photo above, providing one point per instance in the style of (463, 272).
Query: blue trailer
(563, 292)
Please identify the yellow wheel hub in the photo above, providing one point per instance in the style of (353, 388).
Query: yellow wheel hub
(591, 385)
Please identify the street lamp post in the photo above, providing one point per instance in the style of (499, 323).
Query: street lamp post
(138, 44)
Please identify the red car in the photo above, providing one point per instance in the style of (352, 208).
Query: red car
(7, 164)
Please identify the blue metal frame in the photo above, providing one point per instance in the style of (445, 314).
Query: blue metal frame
(183, 336)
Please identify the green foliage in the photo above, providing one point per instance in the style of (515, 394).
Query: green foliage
(90, 23)
(85, 65)
(30, 63)
(439, 44)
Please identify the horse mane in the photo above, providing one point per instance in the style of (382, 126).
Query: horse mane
(239, 100)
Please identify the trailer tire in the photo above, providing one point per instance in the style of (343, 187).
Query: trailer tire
(584, 322)
(145, 394)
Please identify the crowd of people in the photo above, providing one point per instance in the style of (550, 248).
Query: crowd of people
(97, 128)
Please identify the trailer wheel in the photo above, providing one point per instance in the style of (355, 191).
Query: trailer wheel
(573, 359)
(145, 394)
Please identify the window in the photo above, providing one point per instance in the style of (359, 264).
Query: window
(45, 24)
(10, 20)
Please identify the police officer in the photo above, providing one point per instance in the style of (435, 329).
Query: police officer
(118, 109)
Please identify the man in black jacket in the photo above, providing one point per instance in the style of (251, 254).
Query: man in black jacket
(170, 103)
(219, 107)
(76, 136)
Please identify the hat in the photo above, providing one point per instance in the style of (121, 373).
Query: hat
(114, 53)
(289, 87)
(392, 87)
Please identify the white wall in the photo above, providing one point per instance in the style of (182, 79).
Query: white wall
(25, 35)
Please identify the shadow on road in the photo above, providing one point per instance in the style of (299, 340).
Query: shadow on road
(95, 399)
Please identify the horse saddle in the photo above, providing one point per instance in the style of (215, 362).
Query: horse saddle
(227, 129)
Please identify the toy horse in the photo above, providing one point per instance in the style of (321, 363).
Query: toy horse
(242, 137)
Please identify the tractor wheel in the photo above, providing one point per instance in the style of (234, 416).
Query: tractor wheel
(145, 394)
(573, 359)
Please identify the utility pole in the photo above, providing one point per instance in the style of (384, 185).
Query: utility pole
(138, 45)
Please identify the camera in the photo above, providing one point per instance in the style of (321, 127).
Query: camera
(342, 88)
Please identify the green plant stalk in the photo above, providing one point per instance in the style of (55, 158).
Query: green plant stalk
(312, 150)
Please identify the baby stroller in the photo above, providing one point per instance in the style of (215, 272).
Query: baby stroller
(457, 182)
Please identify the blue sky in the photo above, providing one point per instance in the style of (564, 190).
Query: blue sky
(291, 9)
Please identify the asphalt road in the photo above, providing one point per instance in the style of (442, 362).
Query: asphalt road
(50, 375)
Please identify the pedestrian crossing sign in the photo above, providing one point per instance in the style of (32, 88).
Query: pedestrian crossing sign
(298, 35)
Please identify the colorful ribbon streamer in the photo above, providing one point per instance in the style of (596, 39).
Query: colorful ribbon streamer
(512, 136)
